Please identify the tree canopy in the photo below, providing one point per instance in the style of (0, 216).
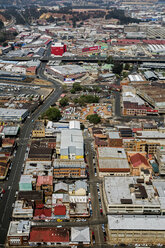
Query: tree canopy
(64, 101)
(95, 118)
(117, 68)
(84, 99)
(52, 114)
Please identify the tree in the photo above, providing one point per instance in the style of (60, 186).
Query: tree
(99, 63)
(82, 126)
(127, 66)
(96, 89)
(52, 114)
(74, 24)
(1, 24)
(109, 60)
(5, 44)
(50, 19)
(75, 100)
(72, 91)
(64, 18)
(95, 118)
(117, 68)
(64, 101)
(77, 87)
(125, 74)
(64, 87)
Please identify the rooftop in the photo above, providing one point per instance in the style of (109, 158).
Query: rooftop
(119, 190)
(114, 135)
(68, 69)
(111, 152)
(38, 234)
(138, 159)
(19, 228)
(80, 234)
(138, 222)
(44, 180)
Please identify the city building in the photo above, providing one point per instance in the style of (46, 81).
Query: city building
(18, 233)
(22, 210)
(114, 139)
(112, 161)
(80, 235)
(45, 183)
(66, 73)
(38, 130)
(69, 168)
(160, 158)
(49, 235)
(134, 145)
(133, 230)
(13, 115)
(140, 145)
(58, 49)
(72, 144)
(139, 162)
(132, 195)
(26, 182)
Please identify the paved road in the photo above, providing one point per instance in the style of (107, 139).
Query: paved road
(9, 196)
(96, 216)
(117, 100)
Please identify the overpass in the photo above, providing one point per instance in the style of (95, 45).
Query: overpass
(95, 59)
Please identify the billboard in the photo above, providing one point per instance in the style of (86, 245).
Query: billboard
(89, 49)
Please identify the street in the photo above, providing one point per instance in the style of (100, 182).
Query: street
(11, 186)
(97, 229)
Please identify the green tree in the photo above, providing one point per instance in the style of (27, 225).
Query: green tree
(95, 118)
(109, 60)
(99, 63)
(77, 87)
(125, 74)
(72, 91)
(75, 100)
(1, 24)
(127, 66)
(89, 99)
(96, 89)
(82, 126)
(74, 24)
(64, 101)
(52, 114)
(117, 68)
(64, 87)
(5, 44)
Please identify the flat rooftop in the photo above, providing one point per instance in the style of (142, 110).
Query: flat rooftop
(6, 112)
(114, 135)
(112, 152)
(118, 189)
(113, 163)
(160, 186)
(138, 222)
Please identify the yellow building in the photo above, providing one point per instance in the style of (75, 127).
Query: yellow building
(141, 146)
(39, 130)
